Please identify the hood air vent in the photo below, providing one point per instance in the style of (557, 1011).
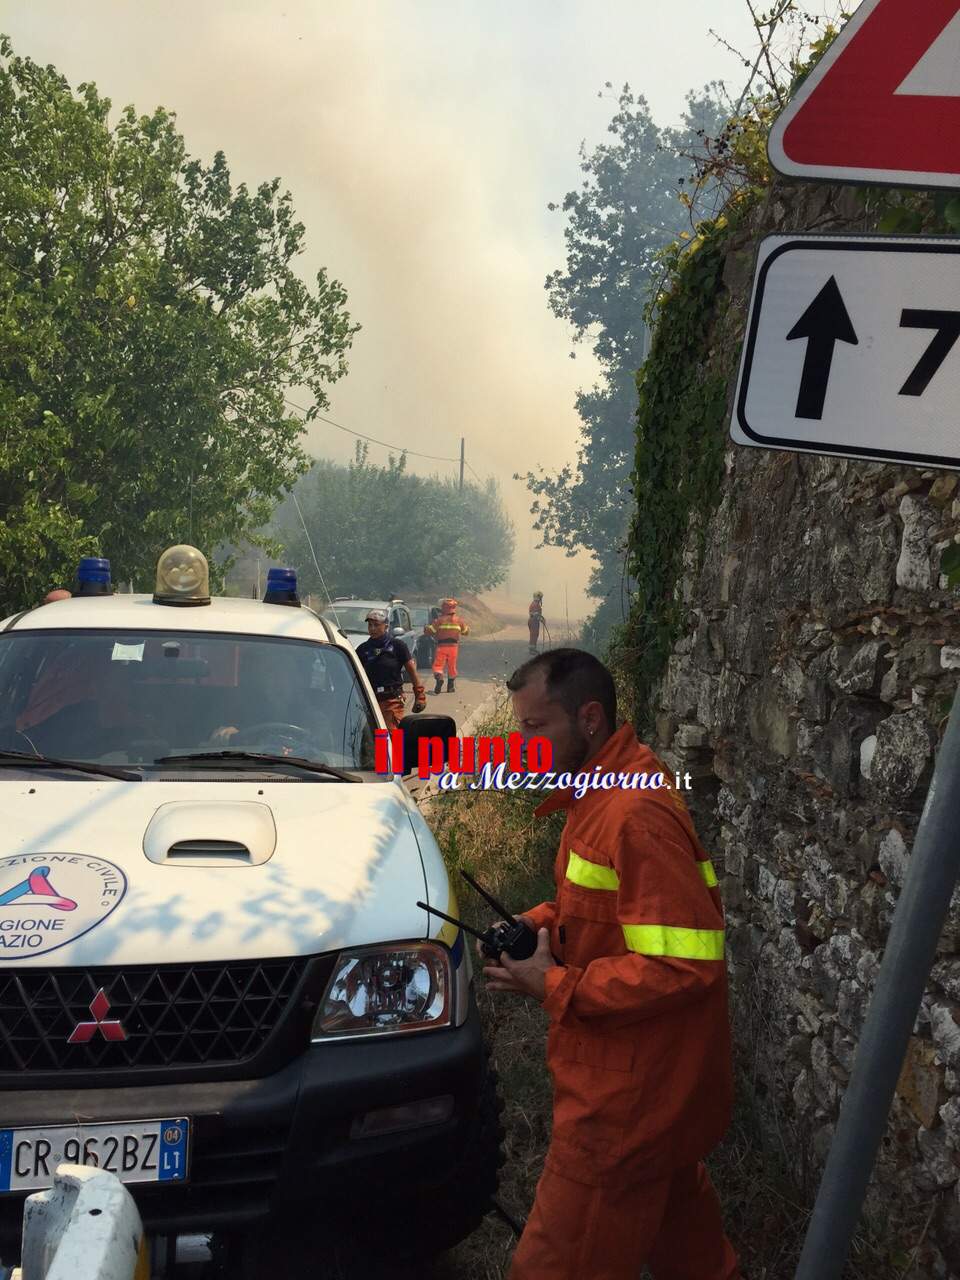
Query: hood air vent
(225, 850)
(212, 833)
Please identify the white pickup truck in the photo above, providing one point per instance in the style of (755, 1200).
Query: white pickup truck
(214, 977)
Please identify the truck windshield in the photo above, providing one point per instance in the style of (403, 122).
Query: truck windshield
(350, 617)
(129, 698)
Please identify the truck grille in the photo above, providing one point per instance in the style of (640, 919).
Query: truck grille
(184, 1015)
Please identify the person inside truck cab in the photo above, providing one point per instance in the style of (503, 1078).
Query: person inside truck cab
(81, 707)
(271, 689)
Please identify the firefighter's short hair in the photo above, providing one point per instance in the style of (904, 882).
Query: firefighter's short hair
(573, 677)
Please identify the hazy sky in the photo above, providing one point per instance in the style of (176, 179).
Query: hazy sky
(422, 141)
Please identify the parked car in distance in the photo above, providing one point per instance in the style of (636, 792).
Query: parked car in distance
(425, 646)
(350, 615)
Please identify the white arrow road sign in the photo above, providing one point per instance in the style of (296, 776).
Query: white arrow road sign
(853, 348)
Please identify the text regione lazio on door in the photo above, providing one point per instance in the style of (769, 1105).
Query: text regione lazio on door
(852, 348)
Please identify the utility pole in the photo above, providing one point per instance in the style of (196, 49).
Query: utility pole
(461, 464)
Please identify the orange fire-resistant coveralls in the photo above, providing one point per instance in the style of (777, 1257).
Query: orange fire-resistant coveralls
(639, 1040)
(448, 628)
(534, 618)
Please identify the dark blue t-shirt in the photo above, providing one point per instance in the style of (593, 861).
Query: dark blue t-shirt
(383, 661)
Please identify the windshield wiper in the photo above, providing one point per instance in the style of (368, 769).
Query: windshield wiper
(82, 766)
(260, 757)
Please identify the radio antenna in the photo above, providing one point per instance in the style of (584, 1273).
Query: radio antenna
(484, 937)
(488, 897)
(316, 563)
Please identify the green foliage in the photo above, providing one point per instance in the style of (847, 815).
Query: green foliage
(682, 418)
(625, 212)
(950, 564)
(681, 435)
(903, 212)
(150, 323)
(378, 529)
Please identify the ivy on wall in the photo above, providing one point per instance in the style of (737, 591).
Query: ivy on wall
(683, 390)
(678, 470)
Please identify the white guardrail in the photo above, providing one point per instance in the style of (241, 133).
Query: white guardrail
(86, 1227)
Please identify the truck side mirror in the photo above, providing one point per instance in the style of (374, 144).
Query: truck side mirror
(414, 728)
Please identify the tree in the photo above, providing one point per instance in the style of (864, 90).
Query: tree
(629, 207)
(378, 529)
(151, 322)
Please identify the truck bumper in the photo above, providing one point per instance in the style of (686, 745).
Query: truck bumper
(288, 1140)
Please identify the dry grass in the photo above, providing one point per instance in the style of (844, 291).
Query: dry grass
(767, 1177)
(763, 1170)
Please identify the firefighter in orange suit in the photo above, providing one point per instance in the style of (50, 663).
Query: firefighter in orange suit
(447, 628)
(534, 619)
(629, 966)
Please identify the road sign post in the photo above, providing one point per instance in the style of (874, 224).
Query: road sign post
(911, 946)
(850, 351)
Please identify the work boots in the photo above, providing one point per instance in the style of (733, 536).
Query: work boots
(451, 685)
(438, 687)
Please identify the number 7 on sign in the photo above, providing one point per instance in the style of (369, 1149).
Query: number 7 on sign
(947, 325)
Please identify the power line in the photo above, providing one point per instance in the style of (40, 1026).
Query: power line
(359, 434)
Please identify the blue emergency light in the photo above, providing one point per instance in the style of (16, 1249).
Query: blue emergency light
(93, 577)
(281, 587)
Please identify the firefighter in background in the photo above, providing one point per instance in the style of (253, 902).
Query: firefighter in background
(535, 619)
(446, 630)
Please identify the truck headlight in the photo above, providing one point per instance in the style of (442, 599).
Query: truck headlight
(405, 987)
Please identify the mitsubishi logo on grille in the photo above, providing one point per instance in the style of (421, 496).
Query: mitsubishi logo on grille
(109, 1029)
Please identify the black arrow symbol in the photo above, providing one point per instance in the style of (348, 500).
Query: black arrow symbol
(824, 323)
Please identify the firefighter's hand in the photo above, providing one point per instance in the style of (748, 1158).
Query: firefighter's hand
(528, 977)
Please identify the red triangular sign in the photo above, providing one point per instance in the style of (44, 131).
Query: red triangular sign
(883, 104)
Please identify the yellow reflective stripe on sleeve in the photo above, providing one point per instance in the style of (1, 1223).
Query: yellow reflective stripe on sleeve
(588, 875)
(708, 873)
(668, 940)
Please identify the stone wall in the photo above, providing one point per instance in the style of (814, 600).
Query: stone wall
(807, 698)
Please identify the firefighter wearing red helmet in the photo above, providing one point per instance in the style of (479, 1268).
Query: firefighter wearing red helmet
(447, 630)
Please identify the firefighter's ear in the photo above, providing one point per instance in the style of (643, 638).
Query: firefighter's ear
(592, 719)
